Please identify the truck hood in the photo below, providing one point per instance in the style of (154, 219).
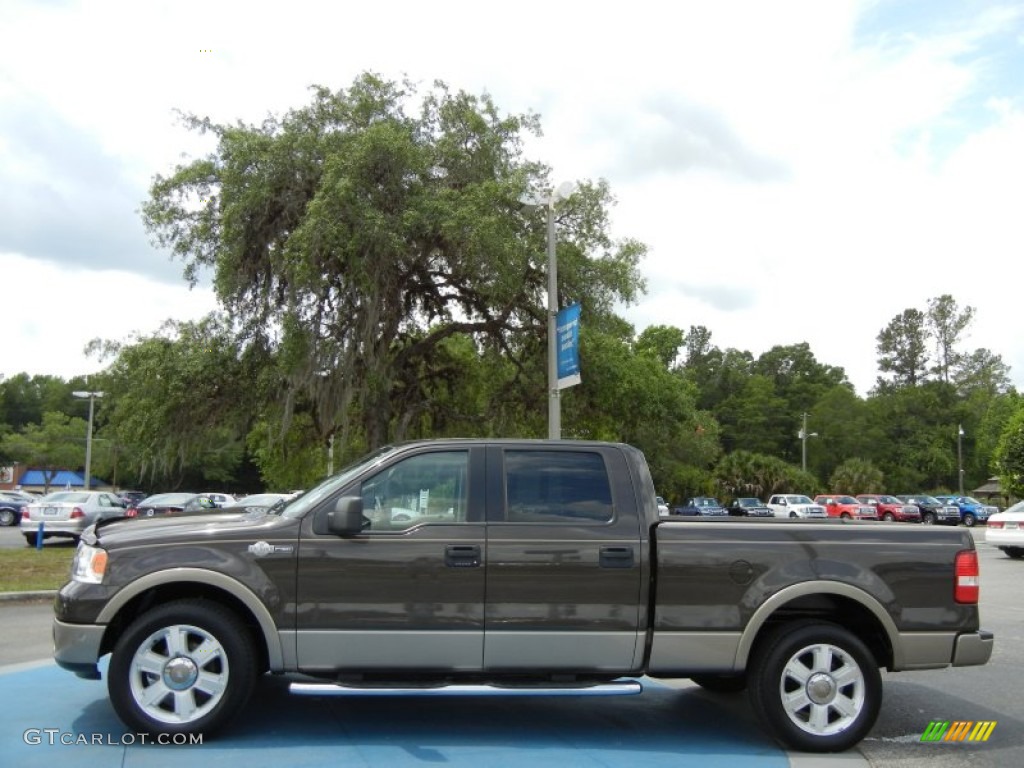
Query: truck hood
(130, 532)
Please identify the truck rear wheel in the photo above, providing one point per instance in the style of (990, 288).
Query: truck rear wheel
(815, 686)
(969, 519)
(184, 667)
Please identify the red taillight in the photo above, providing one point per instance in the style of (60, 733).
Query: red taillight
(77, 512)
(132, 512)
(25, 514)
(995, 523)
(967, 577)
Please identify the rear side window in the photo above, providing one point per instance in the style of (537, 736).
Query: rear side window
(557, 487)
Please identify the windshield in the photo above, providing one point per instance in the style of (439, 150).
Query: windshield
(846, 500)
(799, 500)
(749, 502)
(969, 500)
(302, 504)
(889, 500)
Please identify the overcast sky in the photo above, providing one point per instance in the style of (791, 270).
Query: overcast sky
(801, 171)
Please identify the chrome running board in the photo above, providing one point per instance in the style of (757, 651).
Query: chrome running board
(623, 688)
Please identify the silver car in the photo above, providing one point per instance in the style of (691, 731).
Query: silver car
(68, 514)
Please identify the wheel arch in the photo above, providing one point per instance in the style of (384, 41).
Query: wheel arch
(184, 583)
(832, 602)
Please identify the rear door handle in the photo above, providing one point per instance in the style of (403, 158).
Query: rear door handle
(616, 557)
(462, 556)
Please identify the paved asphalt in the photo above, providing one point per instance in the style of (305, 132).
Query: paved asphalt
(663, 726)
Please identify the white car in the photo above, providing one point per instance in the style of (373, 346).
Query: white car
(662, 507)
(68, 513)
(1006, 531)
(795, 505)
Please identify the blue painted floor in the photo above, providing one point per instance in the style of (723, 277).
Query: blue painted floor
(661, 727)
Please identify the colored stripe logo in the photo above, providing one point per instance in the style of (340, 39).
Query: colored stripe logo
(958, 730)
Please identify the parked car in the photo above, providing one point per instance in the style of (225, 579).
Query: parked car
(662, 507)
(132, 498)
(10, 507)
(701, 505)
(890, 509)
(220, 499)
(748, 506)
(933, 511)
(1006, 531)
(845, 507)
(972, 511)
(68, 513)
(794, 505)
(161, 504)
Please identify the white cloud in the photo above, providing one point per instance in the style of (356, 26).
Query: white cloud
(802, 171)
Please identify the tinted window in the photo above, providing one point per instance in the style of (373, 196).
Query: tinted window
(556, 487)
(428, 488)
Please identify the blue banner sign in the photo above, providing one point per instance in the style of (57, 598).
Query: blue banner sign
(568, 325)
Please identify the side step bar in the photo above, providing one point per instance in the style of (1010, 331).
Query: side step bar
(618, 688)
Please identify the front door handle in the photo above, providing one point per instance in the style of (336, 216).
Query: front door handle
(462, 556)
(616, 557)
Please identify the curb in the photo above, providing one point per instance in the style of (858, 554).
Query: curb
(39, 594)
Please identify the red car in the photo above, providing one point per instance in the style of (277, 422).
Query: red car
(838, 505)
(890, 508)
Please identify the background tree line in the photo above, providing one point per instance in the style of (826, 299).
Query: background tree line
(380, 281)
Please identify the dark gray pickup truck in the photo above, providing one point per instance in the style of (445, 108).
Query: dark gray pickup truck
(513, 567)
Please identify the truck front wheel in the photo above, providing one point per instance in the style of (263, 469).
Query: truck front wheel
(815, 686)
(969, 519)
(183, 667)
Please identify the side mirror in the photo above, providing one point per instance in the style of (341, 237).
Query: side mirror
(347, 517)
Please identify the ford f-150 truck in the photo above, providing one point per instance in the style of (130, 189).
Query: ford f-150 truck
(972, 511)
(514, 567)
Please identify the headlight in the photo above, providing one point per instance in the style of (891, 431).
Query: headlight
(89, 565)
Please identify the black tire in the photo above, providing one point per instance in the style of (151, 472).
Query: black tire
(970, 519)
(844, 516)
(889, 517)
(7, 517)
(1014, 552)
(928, 518)
(792, 514)
(32, 539)
(215, 665)
(721, 683)
(826, 651)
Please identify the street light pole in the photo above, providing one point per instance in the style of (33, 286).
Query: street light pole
(88, 436)
(554, 402)
(530, 202)
(960, 456)
(803, 435)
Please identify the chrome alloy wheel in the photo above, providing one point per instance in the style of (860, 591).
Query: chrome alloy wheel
(178, 674)
(822, 689)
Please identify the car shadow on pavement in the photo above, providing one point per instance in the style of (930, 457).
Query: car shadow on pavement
(661, 727)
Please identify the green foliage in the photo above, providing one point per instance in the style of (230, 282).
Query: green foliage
(743, 473)
(903, 348)
(1009, 457)
(947, 324)
(369, 236)
(55, 444)
(180, 402)
(855, 476)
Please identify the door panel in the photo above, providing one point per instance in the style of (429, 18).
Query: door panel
(564, 562)
(409, 590)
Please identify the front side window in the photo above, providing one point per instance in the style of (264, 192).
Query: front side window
(557, 487)
(427, 488)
